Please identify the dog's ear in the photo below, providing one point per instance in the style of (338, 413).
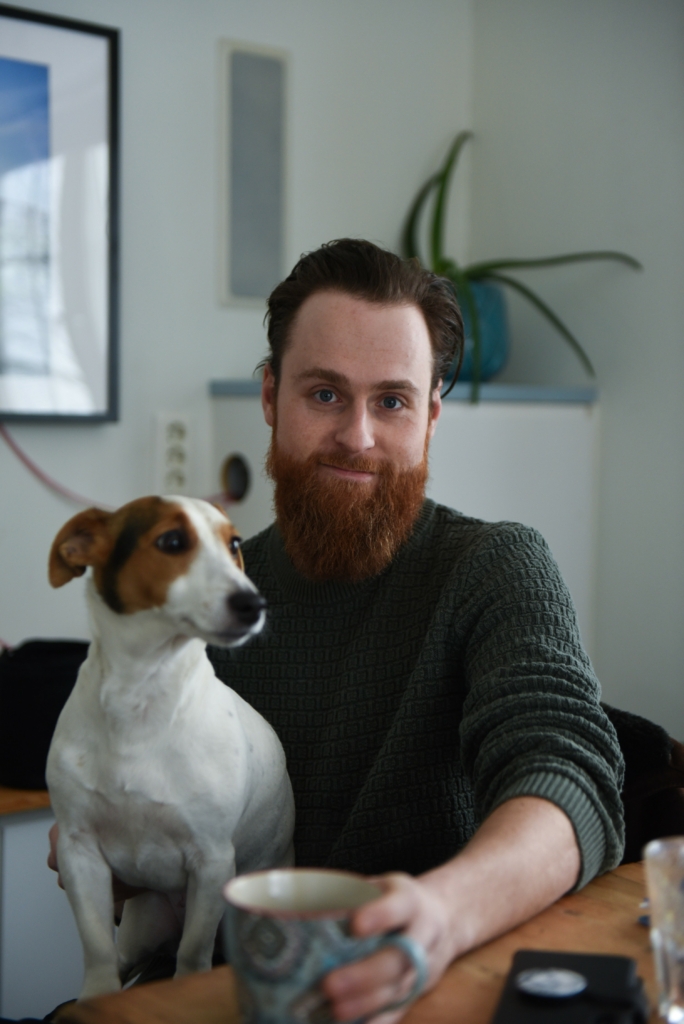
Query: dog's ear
(83, 541)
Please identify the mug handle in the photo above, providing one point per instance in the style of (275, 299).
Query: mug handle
(408, 946)
(416, 954)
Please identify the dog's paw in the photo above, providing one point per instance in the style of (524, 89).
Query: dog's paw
(190, 965)
(99, 981)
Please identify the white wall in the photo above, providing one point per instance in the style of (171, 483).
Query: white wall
(377, 90)
(580, 144)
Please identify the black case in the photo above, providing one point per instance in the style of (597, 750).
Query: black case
(614, 995)
(35, 680)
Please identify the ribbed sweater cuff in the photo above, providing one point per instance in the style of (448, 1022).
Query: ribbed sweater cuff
(567, 795)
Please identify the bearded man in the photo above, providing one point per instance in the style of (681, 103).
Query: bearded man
(423, 670)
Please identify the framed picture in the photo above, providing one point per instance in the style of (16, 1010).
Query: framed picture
(58, 218)
(252, 171)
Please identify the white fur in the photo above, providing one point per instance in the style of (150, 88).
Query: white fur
(161, 774)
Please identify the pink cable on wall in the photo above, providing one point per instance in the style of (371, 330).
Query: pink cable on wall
(46, 480)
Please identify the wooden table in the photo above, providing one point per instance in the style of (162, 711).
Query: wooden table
(600, 919)
(14, 800)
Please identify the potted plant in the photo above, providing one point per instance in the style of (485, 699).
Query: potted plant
(478, 285)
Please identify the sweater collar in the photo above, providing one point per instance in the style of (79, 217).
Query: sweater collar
(297, 588)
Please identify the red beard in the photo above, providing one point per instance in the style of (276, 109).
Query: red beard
(337, 529)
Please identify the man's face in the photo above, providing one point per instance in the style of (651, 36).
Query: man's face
(355, 383)
(351, 422)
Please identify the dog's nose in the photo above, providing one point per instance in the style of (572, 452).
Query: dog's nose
(246, 606)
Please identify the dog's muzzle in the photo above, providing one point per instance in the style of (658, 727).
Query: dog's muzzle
(246, 607)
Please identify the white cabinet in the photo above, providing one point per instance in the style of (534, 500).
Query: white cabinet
(41, 963)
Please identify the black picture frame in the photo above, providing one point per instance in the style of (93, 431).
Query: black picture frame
(59, 219)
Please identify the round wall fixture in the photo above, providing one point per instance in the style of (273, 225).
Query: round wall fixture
(235, 477)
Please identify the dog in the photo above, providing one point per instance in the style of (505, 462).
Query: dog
(158, 773)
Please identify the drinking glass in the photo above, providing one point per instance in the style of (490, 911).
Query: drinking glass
(665, 883)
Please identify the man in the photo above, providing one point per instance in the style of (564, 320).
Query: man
(423, 670)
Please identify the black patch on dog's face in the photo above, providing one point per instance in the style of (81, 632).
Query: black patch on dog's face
(139, 521)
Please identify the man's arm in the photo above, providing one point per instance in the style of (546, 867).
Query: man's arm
(522, 858)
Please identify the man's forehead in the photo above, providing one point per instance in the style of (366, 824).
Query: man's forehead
(341, 333)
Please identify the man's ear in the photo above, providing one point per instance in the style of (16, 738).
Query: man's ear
(268, 394)
(435, 409)
(83, 541)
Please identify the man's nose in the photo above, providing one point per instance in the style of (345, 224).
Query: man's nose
(355, 430)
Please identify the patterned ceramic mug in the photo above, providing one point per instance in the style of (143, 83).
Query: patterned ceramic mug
(286, 928)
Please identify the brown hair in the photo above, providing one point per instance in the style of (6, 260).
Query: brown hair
(362, 269)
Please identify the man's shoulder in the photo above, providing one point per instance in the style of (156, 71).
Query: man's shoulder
(475, 553)
(452, 528)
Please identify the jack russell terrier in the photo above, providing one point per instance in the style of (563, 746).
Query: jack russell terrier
(158, 772)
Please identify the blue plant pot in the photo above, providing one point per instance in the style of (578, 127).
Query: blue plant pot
(490, 302)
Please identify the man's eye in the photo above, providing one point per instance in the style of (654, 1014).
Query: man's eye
(325, 395)
(391, 402)
(173, 542)
(235, 545)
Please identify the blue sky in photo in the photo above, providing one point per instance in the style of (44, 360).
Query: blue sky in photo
(24, 113)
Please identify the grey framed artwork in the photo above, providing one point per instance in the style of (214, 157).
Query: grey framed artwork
(58, 218)
(252, 171)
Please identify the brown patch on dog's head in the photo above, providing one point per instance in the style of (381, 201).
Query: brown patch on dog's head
(155, 544)
(136, 552)
(83, 541)
(231, 538)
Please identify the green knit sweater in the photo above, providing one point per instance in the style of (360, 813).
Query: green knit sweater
(412, 704)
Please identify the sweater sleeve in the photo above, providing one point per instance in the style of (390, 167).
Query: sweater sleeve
(532, 723)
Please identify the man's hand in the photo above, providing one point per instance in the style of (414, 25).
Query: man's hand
(522, 858)
(408, 905)
(52, 855)
(120, 890)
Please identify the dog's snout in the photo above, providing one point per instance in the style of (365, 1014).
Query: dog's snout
(246, 606)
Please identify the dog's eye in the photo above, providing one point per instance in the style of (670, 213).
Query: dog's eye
(173, 542)
(234, 545)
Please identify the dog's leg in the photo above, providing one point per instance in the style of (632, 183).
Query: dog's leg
(88, 882)
(203, 912)
(148, 921)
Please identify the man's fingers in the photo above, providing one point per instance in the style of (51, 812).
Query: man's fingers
(367, 986)
(53, 836)
(394, 909)
(383, 967)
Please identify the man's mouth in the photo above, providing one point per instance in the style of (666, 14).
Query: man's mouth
(342, 473)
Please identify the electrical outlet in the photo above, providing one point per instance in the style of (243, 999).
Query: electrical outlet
(173, 461)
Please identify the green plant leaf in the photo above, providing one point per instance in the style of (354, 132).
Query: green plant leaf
(550, 316)
(409, 236)
(442, 184)
(478, 270)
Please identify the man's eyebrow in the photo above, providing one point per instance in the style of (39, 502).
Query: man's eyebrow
(334, 377)
(397, 385)
(319, 372)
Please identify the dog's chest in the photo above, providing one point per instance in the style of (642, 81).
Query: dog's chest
(149, 826)
(151, 844)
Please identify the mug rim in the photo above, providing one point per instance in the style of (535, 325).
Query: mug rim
(299, 915)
